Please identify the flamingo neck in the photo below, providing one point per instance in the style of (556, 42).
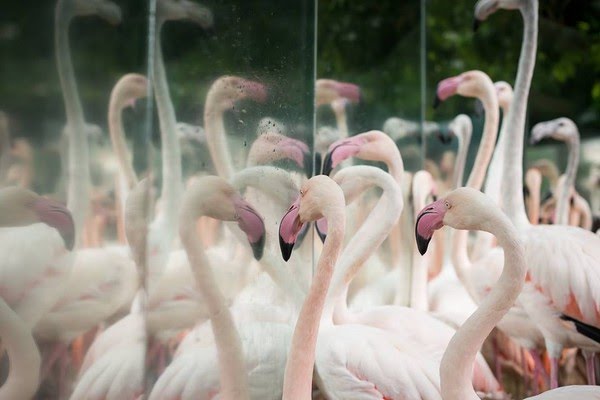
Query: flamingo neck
(418, 288)
(172, 180)
(232, 371)
(216, 138)
(460, 256)
(457, 363)
(24, 374)
(494, 175)
(297, 382)
(534, 202)
(341, 121)
(562, 203)
(117, 137)
(382, 219)
(78, 148)
(461, 159)
(512, 178)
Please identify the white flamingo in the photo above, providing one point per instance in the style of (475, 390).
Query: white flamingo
(466, 208)
(562, 261)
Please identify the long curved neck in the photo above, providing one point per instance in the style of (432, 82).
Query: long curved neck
(341, 120)
(562, 204)
(512, 194)
(363, 244)
(297, 382)
(418, 292)
(24, 374)
(172, 180)
(493, 182)
(461, 159)
(457, 363)
(460, 257)
(233, 376)
(216, 137)
(534, 201)
(117, 137)
(582, 207)
(78, 149)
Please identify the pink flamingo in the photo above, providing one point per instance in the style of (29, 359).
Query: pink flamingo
(561, 290)
(37, 235)
(466, 208)
(352, 358)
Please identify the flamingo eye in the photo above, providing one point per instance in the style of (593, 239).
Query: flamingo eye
(447, 204)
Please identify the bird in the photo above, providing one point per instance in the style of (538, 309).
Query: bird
(561, 284)
(350, 358)
(469, 209)
(563, 129)
(214, 197)
(78, 151)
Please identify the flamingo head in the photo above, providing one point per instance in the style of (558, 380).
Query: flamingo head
(473, 83)
(273, 146)
(461, 209)
(214, 197)
(227, 90)
(485, 8)
(562, 129)
(21, 207)
(338, 94)
(318, 196)
(107, 10)
(505, 94)
(371, 146)
(171, 10)
(130, 88)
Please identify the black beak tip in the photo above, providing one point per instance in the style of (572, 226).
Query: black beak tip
(258, 248)
(476, 24)
(327, 164)
(286, 249)
(69, 239)
(422, 244)
(436, 101)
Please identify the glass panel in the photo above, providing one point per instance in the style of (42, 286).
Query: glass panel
(64, 96)
(234, 90)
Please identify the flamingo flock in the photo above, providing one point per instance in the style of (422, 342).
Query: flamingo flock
(213, 284)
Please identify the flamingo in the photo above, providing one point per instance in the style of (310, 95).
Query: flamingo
(214, 197)
(113, 367)
(412, 325)
(259, 312)
(565, 130)
(37, 236)
(561, 288)
(469, 209)
(377, 146)
(78, 151)
(351, 357)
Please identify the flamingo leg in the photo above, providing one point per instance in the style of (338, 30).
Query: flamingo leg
(553, 372)
(497, 359)
(58, 350)
(524, 369)
(590, 366)
(538, 370)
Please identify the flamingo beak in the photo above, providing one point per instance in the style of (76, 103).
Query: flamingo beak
(289, 228)
(252, 225)
(255, 90)
(445, 89)
(429, 220)
(56, 215)
(339, 151)
(299, 152)
(198, 14)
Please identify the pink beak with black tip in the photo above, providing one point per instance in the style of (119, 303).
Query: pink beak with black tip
(341, 151)
(289, 228)
(56, 215)
(252, 225)
(429, 220)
